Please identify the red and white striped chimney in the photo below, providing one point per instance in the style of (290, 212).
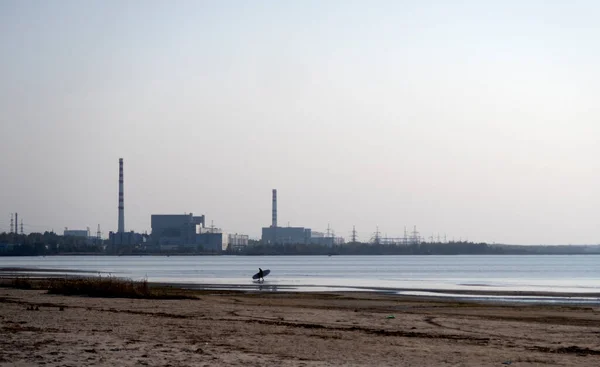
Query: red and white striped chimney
(121, 228)
(274, 208)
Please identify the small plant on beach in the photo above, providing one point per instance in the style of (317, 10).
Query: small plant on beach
(109, 287)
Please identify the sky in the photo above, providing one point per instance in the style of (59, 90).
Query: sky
(478, 120)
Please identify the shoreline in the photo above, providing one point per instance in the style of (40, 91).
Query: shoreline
(8, 275)
(290, 329)
(166, 254)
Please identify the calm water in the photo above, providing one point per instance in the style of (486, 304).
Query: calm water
(576, 273)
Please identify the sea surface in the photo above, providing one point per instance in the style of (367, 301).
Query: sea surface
(408, 275)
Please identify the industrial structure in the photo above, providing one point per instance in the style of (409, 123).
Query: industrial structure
(326, 239)
(14, 229)
(175, 229)
(121, 225)
(122, 238)
(170, 231)
(181, 232)
(14, 224)
(237, 242)
(283, 235)
(295, 235)
(412, 238)
(83, 233)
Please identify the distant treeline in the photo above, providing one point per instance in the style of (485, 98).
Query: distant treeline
(370, 249)
(49, 243)
(451, 248)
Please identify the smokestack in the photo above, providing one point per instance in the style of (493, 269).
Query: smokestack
(16, 223)
(121, 228)
(274, 222)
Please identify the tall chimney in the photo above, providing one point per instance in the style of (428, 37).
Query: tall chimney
(274, 222)
(16, 223)
(121, 228)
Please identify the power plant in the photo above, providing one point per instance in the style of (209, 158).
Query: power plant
(186, 232)
(171, 231)
(121, 237)
(283, 235)
(121, 226)
(274, 209)
(295, 235)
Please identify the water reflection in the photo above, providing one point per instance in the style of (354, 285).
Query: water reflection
(268, 287)
(534, 274)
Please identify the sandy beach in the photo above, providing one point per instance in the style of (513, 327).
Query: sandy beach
(290, 329)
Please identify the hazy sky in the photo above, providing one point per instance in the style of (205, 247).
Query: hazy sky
(475, 119)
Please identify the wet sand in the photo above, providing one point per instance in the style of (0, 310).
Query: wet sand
(291, 329)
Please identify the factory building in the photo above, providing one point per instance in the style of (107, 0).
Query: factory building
(116, 239)
(237, 242)
(323, 239)
(283, 235)
(84, 233)
(186, 232)
(295, 235)
(173, 230)
(80, 235)
(320, 238)
(212, 242)
(122, 238)
(286, 235)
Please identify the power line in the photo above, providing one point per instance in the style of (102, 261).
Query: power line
(353, 234)
(376, 236)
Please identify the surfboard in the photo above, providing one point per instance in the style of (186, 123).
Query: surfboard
(265, 273)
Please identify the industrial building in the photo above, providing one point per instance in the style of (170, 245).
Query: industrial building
(173, 232)
(237, 242)
(286, 235)
(326, 239)
(117, 239)
(175, 229)
(295, 235)
(84, 233)
(122, 238)
(215, 241)
(283, 235)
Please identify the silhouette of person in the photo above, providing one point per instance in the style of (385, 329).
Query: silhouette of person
(260, 275)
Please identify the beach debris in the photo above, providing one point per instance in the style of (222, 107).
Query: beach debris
(390, 317)
(507, 362)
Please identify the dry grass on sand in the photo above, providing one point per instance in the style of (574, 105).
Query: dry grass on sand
(286, 329)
